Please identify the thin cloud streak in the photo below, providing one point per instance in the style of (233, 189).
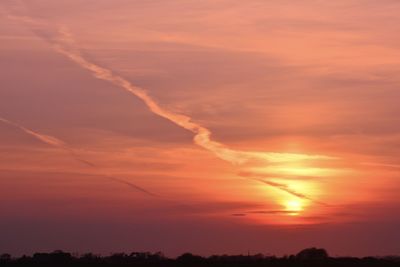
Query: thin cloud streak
(285, 188)
(64, 43)
(55, 142)
(50, 140)
(396, 166)
(279, 186)
(202, 135)
(134, 186)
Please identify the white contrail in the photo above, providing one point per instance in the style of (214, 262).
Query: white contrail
(55, 142)
(285, 188)
(202, 135)
(50, 140)
(63, 42)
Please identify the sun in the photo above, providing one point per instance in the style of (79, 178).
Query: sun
(294, 206)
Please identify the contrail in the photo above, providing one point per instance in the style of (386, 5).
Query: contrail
(134, 186)
(285, 188)
(202, 135)
(64, 44)
(50, 140)
(280, 186)
(55, 142)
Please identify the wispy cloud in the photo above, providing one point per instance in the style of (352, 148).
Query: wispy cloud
(50, 140)
(280, 186)
(55, 142)
(63, 42)
(271, 212)
(288, 190)
(202, 135)
(239, 214)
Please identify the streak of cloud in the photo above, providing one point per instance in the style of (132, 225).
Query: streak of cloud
(265, 212)
(238, 214)
(384, 165)
(63, 42)
(55, 142)
(287, 189)
(131, 185)
(253, 174)
(202, 135)
(50, 140)
(280, 186)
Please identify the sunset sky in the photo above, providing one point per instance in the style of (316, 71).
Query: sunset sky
(212, 126)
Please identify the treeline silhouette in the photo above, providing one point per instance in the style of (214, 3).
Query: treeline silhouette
(313, 257)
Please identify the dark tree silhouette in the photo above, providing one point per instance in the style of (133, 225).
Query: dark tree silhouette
(312, 254)
(57, 256)
(310, 257)
(189, 258)
(4, 258)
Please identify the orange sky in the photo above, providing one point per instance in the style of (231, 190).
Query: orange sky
(252, 125)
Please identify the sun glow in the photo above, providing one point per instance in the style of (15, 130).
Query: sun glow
(296, 170)
(294, 206)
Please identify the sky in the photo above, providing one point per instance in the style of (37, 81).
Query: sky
(214, 126)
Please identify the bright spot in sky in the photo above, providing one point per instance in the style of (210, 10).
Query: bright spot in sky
(294, 206)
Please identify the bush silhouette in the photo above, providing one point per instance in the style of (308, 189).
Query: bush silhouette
(312, 254)
(310, 257)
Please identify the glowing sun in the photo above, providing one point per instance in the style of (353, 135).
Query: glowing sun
(294, 206)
